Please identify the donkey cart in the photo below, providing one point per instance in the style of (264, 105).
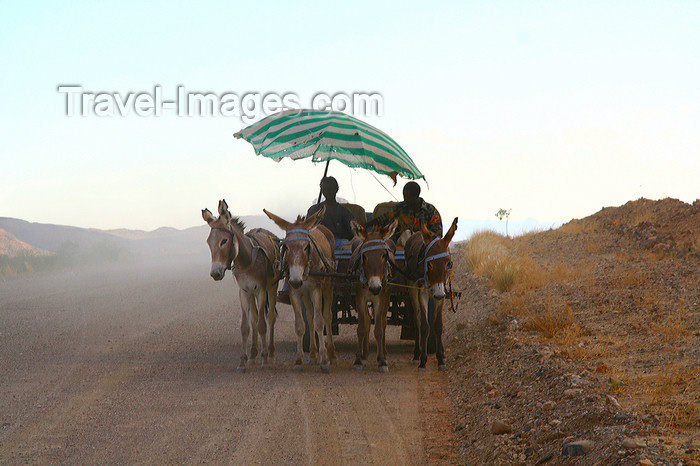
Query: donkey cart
(334, 293)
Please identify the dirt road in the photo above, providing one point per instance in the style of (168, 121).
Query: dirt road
(136, 364)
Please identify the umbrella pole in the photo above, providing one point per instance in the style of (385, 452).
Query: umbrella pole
(328, 162)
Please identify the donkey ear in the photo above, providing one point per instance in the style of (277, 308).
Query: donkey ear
(388, 231)
(315, 220)
(279, 221)
(450, 233)
(207, 216)
(223, 207)
(358, 230)
(427, 234)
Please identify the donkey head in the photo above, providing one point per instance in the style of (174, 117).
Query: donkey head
(373, 253)
(297, 247)
(437, 258)
(222, 243)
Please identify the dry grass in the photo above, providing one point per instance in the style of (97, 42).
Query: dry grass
(663, 390)
(550, 320)
(672, 327)
(631, 278)
(491, 255)
(574, 227)
(628, 315)
(530, 274)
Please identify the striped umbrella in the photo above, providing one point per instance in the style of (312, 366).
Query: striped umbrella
(326, 135)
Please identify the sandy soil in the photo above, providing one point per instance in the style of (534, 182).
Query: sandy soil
(136, 364)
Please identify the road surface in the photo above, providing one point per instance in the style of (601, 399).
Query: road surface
(135, 363)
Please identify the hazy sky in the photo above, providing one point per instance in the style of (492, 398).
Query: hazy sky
(553, 109)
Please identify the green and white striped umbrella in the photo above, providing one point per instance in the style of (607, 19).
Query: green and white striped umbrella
(326, 135)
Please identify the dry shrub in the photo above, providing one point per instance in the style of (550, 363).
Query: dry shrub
(550, 320)
(491, 255)
(561, 273)
(503, 275)
(484, 249)
(488, 255)
(530, 275)
(515, 305)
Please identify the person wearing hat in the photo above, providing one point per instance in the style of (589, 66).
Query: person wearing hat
(411, 212)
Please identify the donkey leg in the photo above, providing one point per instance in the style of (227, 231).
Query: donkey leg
(437, 330)
(271, 312)
(362, 317)
(415, 302)
(424, 330)
(328, 321)
(299, 328)
(253, 316)
(262, 324)
(313, 347)
(379, 333)
(317, 301)
(368, 325)
(245, 330)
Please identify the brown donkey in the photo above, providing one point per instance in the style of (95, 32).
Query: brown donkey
(309, 247)
(428, 259)
(252, 257)
(372, 258)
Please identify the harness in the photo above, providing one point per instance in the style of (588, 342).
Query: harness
(432, 258)
(306, 237)
(254, 254)
(414, 275)
(372, 245)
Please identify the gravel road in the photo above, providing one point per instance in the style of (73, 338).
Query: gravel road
(135, 363)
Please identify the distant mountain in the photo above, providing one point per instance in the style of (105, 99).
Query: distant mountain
(53, 237)
(171, 241)
(140, 234)
(11, 246)
(162, 241)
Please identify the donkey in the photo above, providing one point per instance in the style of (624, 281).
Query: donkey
(252, 257)
(372, 256)
(309, 246)
(428, 259)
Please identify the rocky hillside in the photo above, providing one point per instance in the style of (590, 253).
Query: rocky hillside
(11, 246)
(590, 354)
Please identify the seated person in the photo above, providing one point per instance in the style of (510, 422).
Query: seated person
(338, 217)
(410, 213)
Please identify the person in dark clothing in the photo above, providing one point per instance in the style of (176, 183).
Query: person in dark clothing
(337, 217)
(411, 212)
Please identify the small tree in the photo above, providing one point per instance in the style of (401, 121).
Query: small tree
(503, 213)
